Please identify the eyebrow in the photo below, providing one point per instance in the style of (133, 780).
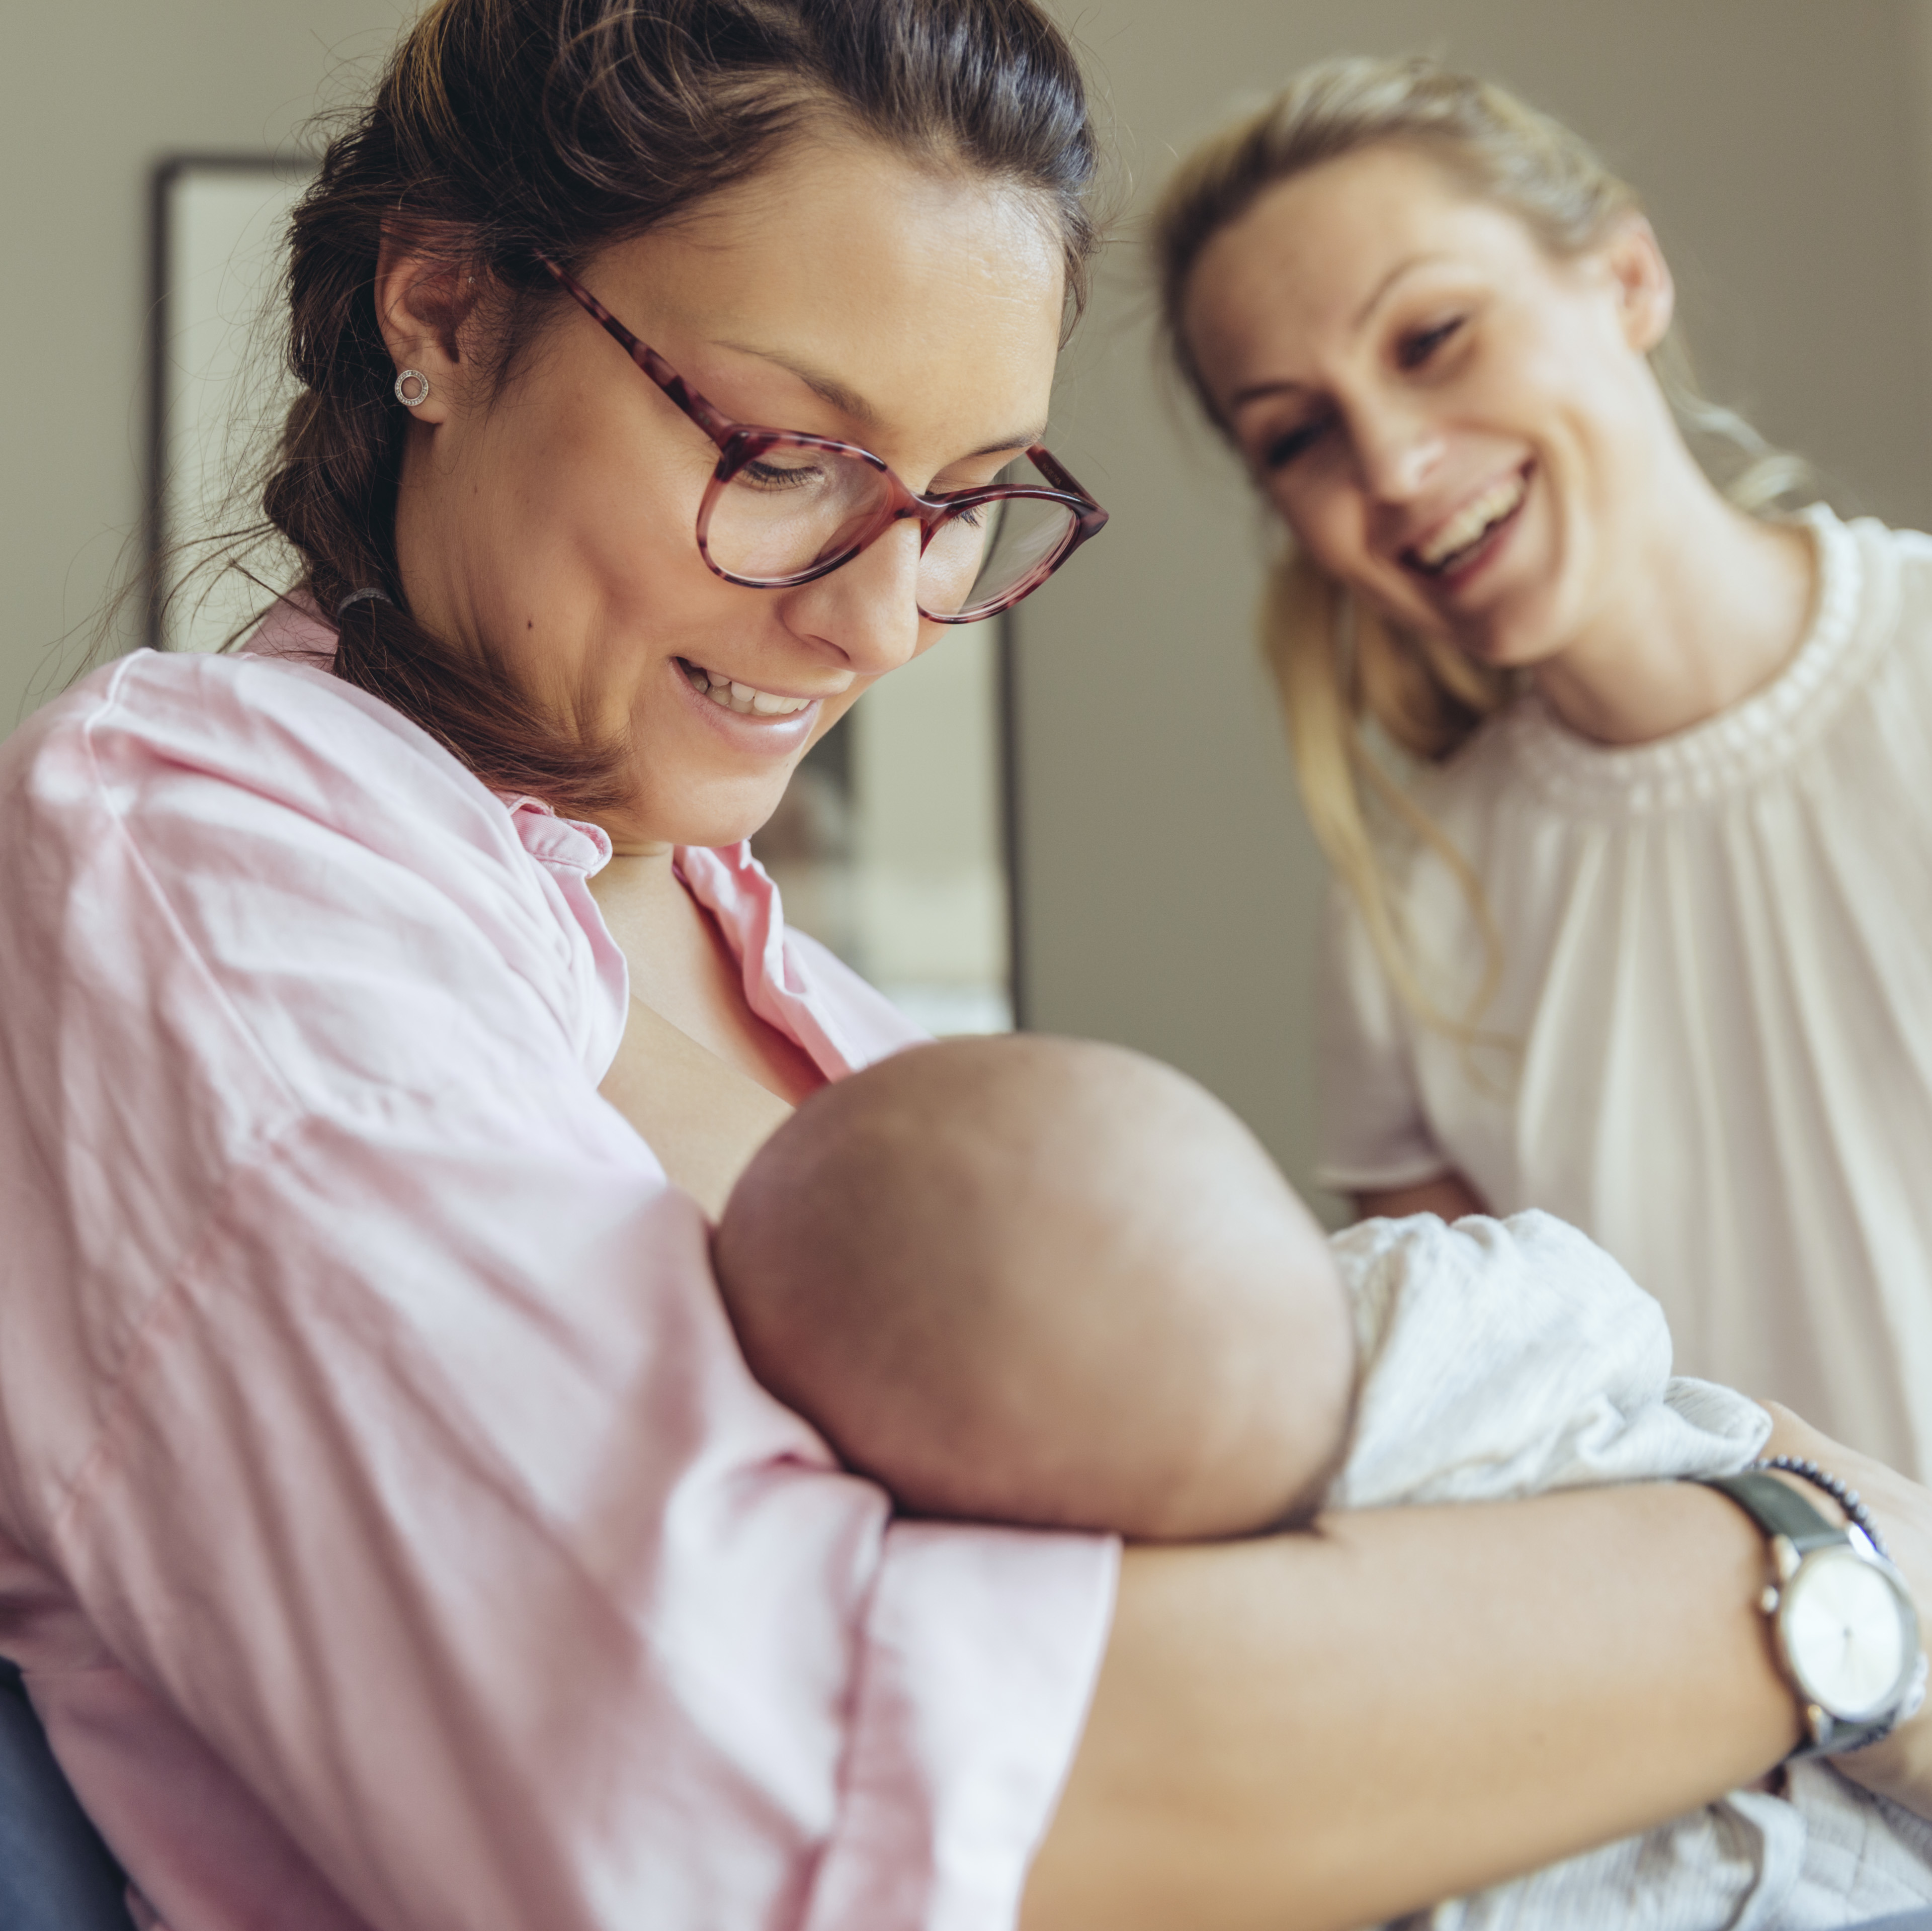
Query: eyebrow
(1388, 281)
(849, 402)
(1254, 390)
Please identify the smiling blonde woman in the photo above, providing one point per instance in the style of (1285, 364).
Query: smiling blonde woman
(1625, 785)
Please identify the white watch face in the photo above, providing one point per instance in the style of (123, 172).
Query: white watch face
(1844, 1635)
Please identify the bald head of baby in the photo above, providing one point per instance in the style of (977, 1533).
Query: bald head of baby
(1046, 1281)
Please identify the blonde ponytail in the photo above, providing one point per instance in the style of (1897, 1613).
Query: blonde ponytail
(1335, 665)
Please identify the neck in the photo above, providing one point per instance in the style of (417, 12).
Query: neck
(638, 870)
(1712, 607)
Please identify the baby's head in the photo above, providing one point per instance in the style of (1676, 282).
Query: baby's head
(1042, 1281)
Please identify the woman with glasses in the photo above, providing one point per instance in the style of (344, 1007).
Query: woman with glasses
(1623, 779)
(391, 1534)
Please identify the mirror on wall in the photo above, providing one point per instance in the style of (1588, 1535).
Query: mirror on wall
(892, 844)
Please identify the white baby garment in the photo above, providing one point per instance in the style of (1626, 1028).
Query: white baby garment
(1502, 1358)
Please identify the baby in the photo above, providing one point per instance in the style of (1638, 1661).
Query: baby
(1039, 1281)
(1034, 1281)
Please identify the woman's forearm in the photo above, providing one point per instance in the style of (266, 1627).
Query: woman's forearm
(1325, 1730)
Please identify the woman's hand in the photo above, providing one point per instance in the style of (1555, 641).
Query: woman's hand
(1900, 1767)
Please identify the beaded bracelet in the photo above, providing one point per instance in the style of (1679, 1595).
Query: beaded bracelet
(1845, 1496)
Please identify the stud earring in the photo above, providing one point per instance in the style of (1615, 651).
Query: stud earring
(422, 395)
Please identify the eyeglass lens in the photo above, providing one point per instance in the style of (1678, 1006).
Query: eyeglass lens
(791, 509)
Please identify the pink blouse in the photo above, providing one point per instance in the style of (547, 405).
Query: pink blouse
(390, 1531)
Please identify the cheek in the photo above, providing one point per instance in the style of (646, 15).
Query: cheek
(595, 578)
(1569, 388)
(1325, 518)
(607, 513)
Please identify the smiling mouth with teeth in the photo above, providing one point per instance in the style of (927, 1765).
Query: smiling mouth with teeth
(1466, 531)
(745, 699)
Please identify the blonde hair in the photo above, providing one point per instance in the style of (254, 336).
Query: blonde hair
(1345, 675)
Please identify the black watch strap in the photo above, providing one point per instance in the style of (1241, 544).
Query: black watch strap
(1786, 1516)
(1779, 1509)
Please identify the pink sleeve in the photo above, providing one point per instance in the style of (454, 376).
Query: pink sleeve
(367, 1398)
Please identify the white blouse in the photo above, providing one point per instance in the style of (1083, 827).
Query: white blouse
(1714, 1020)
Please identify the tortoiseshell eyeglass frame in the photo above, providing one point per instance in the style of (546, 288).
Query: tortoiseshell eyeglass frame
(740, 443)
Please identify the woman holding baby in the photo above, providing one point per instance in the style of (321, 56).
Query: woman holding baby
(391, 1534)
(1623, 780)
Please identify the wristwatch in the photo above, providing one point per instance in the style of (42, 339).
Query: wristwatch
(1844, 1628)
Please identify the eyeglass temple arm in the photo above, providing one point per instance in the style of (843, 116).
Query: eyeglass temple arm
(1093, 518)
(713, 421)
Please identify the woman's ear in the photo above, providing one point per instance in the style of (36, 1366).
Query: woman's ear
(422, 303)
(1646, 296)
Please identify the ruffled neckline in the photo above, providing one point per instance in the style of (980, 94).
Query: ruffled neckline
(1755, 737)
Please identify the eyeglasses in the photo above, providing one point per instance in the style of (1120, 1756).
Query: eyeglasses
(783, 508)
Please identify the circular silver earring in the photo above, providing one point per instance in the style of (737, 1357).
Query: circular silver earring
(422, 395)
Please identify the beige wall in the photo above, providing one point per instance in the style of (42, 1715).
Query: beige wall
(90, 95)
(1170, 888)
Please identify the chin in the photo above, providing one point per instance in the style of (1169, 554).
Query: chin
(1502, 649)
(1522, 631)
(1519, 643)
(712, 823)
(717, 822)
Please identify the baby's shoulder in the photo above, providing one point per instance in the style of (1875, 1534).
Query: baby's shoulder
(1427, 1245)
(1530, 1270)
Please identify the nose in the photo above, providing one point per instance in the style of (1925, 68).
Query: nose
(867, 610)
(1398, 447)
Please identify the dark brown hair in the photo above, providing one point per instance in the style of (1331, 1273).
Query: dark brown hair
(505, 129)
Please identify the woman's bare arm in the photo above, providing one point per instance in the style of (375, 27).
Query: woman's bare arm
(1325, 1730)
(1449, 1194)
